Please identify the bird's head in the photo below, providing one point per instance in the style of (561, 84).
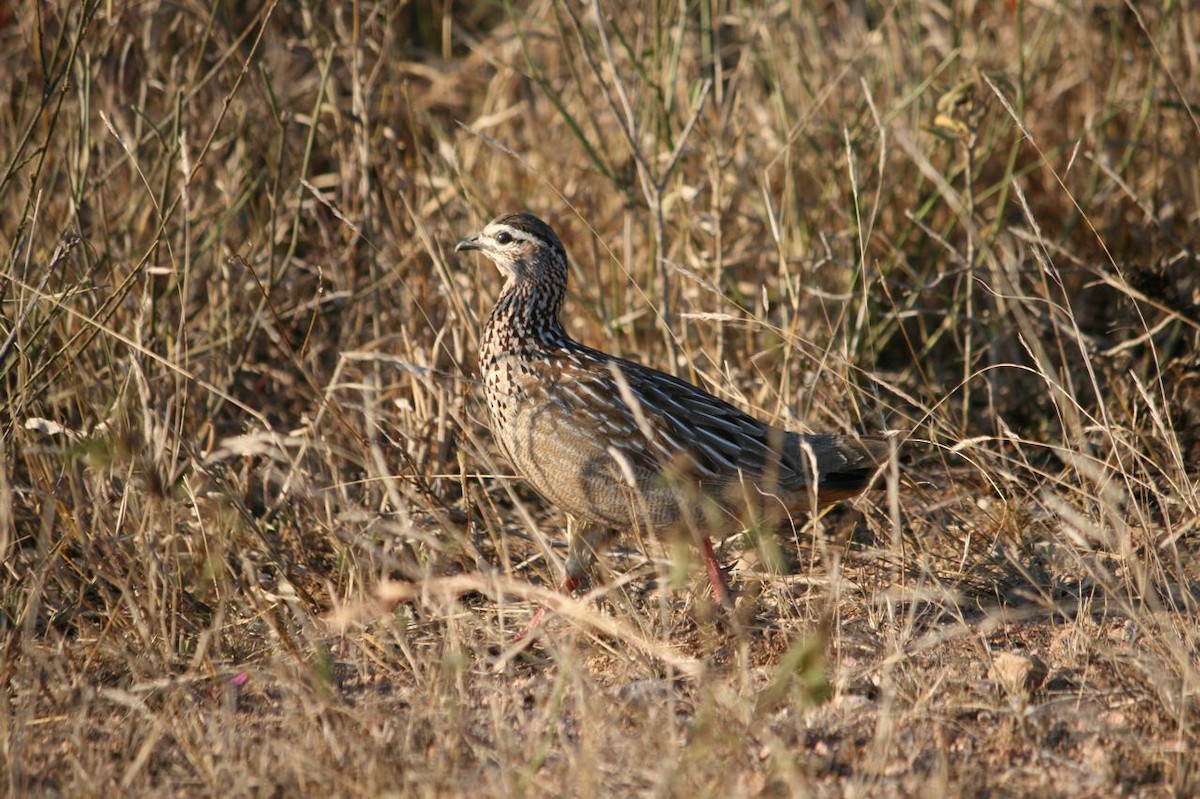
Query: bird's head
(524, 248)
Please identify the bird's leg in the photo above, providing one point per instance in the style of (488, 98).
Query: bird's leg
(568, 585)
(716, 575)
(584, 541)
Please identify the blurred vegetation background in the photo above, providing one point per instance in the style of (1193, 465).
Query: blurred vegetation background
(239, 389)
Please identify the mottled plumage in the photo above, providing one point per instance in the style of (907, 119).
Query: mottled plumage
(618, 445)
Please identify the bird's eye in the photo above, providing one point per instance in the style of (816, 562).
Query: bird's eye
(504, 237)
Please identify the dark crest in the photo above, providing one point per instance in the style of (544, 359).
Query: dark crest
(530, 224)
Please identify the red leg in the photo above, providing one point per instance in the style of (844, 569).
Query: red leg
(584, 540)
(716, 575)
(568, 585)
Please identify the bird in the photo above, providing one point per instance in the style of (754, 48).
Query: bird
(621, 447)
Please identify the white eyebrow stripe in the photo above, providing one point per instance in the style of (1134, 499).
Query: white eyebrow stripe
(518, 235)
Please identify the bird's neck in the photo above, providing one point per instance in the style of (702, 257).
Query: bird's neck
(526, 321)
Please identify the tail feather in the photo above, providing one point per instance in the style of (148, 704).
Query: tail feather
(845, 466)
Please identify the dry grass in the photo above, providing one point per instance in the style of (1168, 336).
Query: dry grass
(256, 539)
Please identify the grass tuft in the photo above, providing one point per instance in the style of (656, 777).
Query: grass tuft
(256, 539)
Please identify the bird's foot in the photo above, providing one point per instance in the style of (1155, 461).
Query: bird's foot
(567, 586)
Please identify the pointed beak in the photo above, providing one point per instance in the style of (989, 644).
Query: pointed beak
(469, 243)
